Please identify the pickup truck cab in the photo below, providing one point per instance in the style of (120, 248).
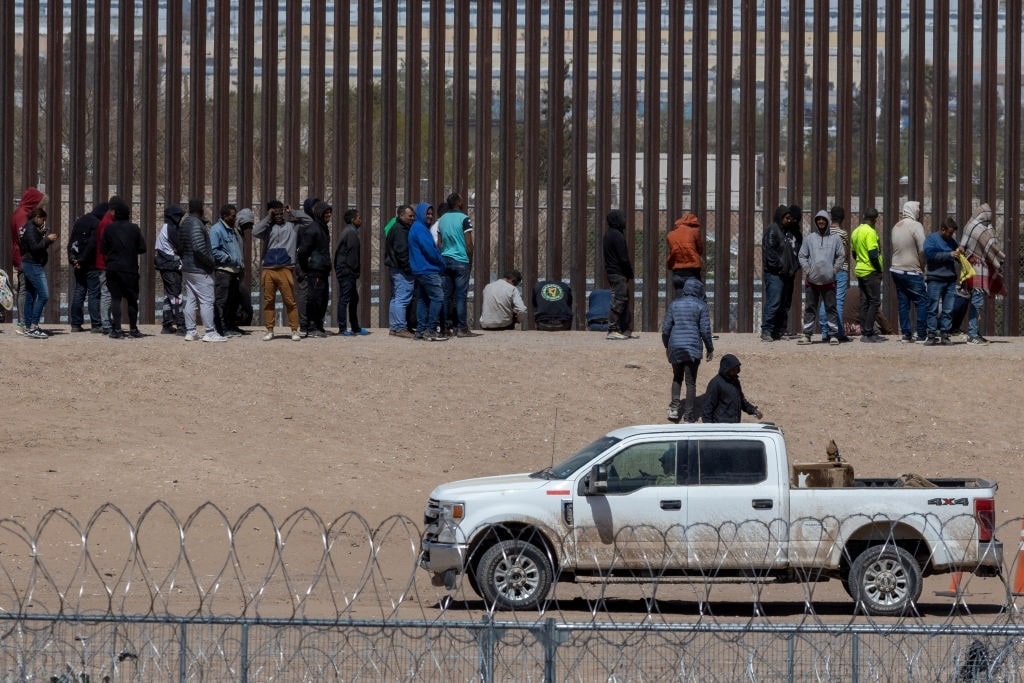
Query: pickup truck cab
(704, 501)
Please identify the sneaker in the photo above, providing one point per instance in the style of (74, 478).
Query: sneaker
(931, 341)
(983, 340)
(673, 414)
(806, 339)
(116, 334)
(404, 334)
(98, 329)
(318, 334)
(946, 341)
(303, 333)
(834, 341)
(166, 330)
(906, 339)
(190, 336)
(232, 333)
(77, 328)
(465, 333)
(634, 335)
(296, 336)
(434, 336)
(20, 329)
(135, 333)
(36, 333)
(345, 333)
(213, 337)
(977, 341)
(766, 337)
(872, 338)
(363, 332)
(268, 336)
(615, 335)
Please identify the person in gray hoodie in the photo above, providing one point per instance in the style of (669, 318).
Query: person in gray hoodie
(686, 333)
(906, 268)
(821, 256)
(279, 232)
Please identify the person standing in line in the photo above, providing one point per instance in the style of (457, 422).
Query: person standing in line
(981, 248)
(226, 244)
(396, 258)
(101, 263)
(30, 201)
(427, 267)
(304, 216)
(838, 216)
(685, 251)
(940, 253)
(279, 233)
(82, 248)
(724, 400)
(197, 266)
(122, 245)
(347, 267)
(313, 253)
(168, 264)
(907, 271)
(618, 268)
(502, 306)
(867, 255)
(780, 249)
(686, 333)
(821, 257)
(455, 231)
(34, 244)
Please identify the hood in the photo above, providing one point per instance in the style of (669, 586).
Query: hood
(174, 214)
(308, 204)
(100, 210)
(487, 487)
(421, 212)
(780, 211)
(911, 210)
(318, 211)
(693, 287)
(983, 214)
(245, 217)
(616, 219)
(688, 220)
(31, 199)
(727, 363)
(822, 214)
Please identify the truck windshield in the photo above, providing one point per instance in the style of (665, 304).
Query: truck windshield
(579, 459)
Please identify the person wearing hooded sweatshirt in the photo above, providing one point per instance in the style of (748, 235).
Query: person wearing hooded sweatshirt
(907, 271)
(780, 248)
(121, 246)
(82, 248)
(168, 263)
(428, 268)
(838, 215)
(979, 245)
(396, 258)
(226, 244)
(686, 333)
(35, 244)
(821, 256)
(197, 266)
(618, 268)
(30, 200)
(724, 400)
(279, 232)
(685, 250)
(347, 266)
(313, 253)
(940, 253)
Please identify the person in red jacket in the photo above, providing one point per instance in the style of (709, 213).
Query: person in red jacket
(685, 251)
(31, 200)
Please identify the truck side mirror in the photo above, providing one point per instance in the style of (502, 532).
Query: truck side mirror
(597, 482)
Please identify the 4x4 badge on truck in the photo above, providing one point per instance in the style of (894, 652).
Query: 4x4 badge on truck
(948, 501)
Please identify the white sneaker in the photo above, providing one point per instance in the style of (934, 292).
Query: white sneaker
(190, 336)
(296, 336)
(213, 337)
(268, 336)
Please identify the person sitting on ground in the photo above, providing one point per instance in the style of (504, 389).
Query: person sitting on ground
(552, 306)
(724, 397)
(502, 305)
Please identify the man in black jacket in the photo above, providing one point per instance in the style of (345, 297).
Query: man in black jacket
(780, 249)
(197, 264)
(396, 258)
(347, 265)
(618, 267)
(724, 397)
(121, 245)
(82, 257)
(314, 256)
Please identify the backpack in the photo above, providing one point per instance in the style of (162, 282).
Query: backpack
(599, 304)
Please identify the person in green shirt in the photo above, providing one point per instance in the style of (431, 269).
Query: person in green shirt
(868, 268)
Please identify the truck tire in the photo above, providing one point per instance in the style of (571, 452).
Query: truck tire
(514, 575)
(885, 580)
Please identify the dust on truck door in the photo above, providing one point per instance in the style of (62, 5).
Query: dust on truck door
(736, 506)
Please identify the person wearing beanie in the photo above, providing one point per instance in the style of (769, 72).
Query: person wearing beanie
(724, 400)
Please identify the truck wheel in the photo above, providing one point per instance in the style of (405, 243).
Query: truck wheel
(886, 580)
(514, 575)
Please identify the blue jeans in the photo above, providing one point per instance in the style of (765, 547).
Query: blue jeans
(401, 295)
(778, 296)
(911, 292)
(456, 286)
(940, 310)
(842, 284)
(428, 308)
(87, 288)
(37, 292)
(974, 312)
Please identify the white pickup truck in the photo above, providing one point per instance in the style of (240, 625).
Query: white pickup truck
(708, 502)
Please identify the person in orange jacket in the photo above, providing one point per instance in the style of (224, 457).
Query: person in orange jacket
(685, 250)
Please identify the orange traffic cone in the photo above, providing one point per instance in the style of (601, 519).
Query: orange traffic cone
(954, 582)
(1018, 573)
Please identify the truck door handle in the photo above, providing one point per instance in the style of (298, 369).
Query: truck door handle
(671, 505)
(762, 503)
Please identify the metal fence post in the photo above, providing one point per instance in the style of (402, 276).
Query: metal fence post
(550, 638)
(243, 656)
(486, 640)
(854, 658)
(791, 655)
(182, 652)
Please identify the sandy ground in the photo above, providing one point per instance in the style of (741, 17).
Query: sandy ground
(373, 424)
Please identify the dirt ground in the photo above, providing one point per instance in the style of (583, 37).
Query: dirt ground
(372, 424)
